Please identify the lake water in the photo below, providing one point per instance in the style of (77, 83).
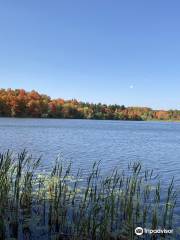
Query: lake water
(155, 144)
(115, 143)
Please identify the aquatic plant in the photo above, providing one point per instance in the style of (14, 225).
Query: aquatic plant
(61, 205)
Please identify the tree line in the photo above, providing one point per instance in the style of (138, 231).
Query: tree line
(20, 103)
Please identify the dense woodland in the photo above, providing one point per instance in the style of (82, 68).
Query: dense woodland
(20, 103)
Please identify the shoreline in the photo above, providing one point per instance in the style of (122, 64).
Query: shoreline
(93, 119)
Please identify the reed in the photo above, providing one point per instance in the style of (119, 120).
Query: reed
(61, 205)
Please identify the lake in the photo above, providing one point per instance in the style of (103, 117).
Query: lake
(115, 143)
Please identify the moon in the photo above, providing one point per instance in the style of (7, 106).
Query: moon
(131, 86)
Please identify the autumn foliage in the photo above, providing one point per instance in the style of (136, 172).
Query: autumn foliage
(20, 103)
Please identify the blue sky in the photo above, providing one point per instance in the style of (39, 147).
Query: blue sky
(124, 52)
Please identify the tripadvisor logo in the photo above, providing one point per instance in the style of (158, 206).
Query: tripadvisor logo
(139, 231)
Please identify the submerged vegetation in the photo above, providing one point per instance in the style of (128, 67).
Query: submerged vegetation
(64, 205)
(19, 103)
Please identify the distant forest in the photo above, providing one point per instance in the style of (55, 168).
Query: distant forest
(20, 103)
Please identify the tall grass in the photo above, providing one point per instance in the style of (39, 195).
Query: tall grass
(62, 205)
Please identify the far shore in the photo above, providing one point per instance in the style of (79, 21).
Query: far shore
(87, 119)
